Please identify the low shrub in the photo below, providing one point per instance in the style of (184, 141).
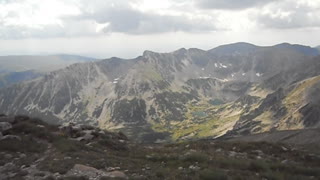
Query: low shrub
(213, 175)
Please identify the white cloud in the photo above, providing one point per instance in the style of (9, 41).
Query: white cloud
(161, 25)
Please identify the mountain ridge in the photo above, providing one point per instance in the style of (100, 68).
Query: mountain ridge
(188, 93)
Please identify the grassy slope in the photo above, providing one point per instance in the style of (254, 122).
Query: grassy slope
(185, 160)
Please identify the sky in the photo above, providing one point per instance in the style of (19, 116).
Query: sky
(125, 28)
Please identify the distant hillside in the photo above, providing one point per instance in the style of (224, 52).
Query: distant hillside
(7, 79)
(39, 63)
(300, 48)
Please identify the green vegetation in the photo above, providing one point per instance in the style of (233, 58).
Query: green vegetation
(213, 174)
(202, 159)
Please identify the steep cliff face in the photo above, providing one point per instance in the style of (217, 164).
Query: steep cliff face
(183, 94)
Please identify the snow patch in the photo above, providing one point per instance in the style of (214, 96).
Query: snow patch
(205, 77)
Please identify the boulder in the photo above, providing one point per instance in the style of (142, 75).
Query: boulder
(116, 174)
(88, 137)
(5, 126)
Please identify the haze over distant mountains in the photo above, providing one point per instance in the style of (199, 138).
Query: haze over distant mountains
(231, 90)
(14, 69)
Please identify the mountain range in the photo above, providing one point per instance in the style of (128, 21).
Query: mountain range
(231, 90)
(15, 69)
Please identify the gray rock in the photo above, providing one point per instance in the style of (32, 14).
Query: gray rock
(7, 119)
(8, 156)
(9, 166)
(219, 150)
(83, 170)
(11, 137)
(23, 155)
(5, 126)
(116, 174)
(112, 168)
(232, 154)
(194, 167)
(1, 135)
(88, 137)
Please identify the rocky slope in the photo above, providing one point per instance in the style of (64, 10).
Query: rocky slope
(33, 150)
(189, 93)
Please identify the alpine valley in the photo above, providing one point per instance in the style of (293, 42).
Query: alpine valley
(231, 90)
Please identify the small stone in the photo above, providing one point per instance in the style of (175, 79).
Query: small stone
(285, 161)
(113, 168)
(284, 148)
(192, 167)
(67, 157)
(219, 150)
(187, 146)
(5, 126)
(232, 154)
(259, 152)
(23, 155)
(40, 126)
(180, 168)
(258, 157)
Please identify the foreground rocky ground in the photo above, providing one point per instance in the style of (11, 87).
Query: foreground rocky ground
(32, 149)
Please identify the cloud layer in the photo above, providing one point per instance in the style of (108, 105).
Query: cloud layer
(231, 4)
(79, 18)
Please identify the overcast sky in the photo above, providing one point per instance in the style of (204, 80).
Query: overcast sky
(125, 28)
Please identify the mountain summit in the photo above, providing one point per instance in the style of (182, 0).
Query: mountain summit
(190, 93)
